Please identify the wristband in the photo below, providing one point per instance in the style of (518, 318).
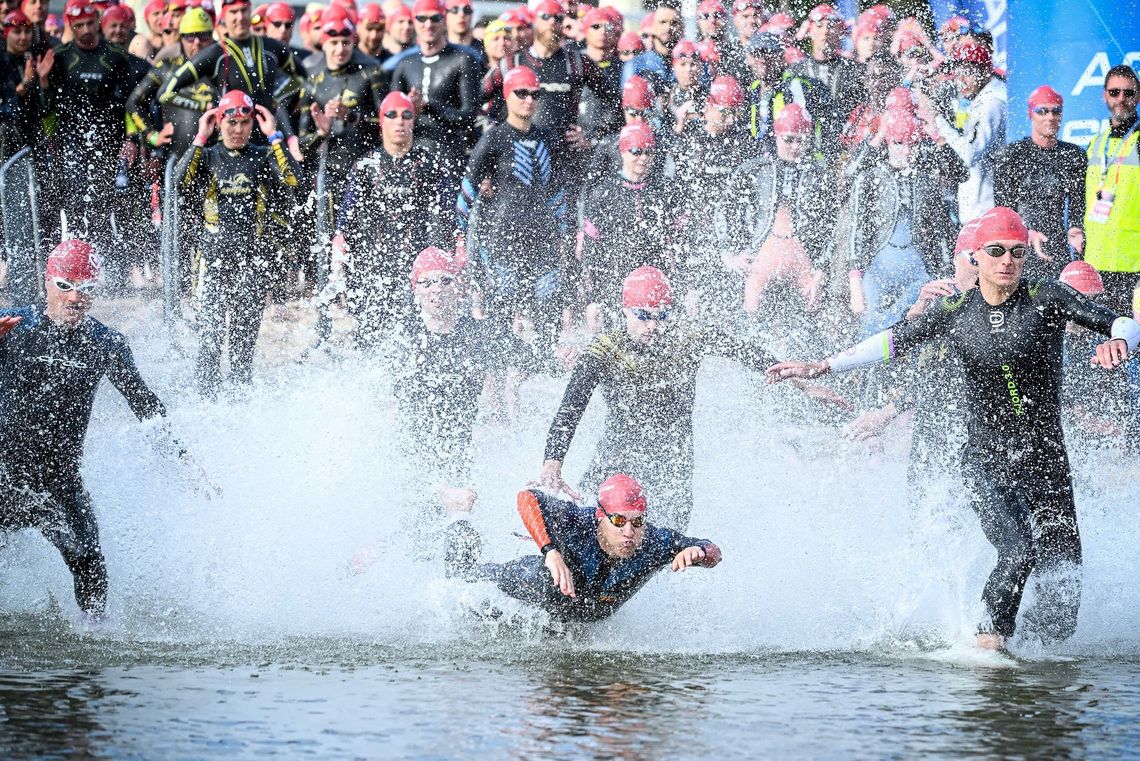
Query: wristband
(200, 141)
(276, 137)
(548, 548)
(152, 139)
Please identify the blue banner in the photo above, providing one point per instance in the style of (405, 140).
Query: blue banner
(1069, 45)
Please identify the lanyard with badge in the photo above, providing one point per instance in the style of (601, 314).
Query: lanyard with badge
(1105, 198)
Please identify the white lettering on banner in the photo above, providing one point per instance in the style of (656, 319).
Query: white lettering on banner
(1083, 131)
(1097, 70)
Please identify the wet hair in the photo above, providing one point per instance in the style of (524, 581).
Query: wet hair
(1123, 70)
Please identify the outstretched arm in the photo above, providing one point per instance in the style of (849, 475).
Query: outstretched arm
(534, 518)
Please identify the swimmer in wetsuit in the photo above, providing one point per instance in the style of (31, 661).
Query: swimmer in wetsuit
(1008, 335)
(593, 559)
(51, 363)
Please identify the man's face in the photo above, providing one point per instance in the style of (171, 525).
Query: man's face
(19, 39)
(792, 147)
(193, 44)
(522, 102)
(866, 45)
(667, 26)
(236, 131)
(969, 78)
(237, 21)
(621, 542)
(282, 31)
(1120, 97)
(86, 33)
(745, 22)
(338, 51)
(35, 10)
(719, 119)
(396, 126)
(710, 24)
(766, 65)
(402, 30)
(597, 35)
(824, 35)
(459, 19)
(645, 324)
(371, 34)
(899, 154)
(1046, 121)
(548, 27)
(429, 29)
(637, 162)
(685, 70)
(1001, 271)
(118, 33)
(437, 294)
(67, 304)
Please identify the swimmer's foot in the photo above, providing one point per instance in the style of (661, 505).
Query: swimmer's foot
(457, 501)
(989, 641)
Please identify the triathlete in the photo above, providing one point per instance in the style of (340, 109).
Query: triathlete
(52, 362)
(601, 110)
(594, 558)
(20, 119)
(394, 207)
(648, 379)
(229, 183)
(1008, 335)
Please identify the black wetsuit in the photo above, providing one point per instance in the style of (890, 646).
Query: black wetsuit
(602, 584)
(20, 123)
(361, 85)
(522, 227)
(51, 373)
(843, 79)
(649, 393)
(87, 90)
(601, 112)
(624, 225)
(449, 82)
(1014, 461)
(393, 208)
(232, 188)
(1046, 186)
(183, 109)
(255, 65)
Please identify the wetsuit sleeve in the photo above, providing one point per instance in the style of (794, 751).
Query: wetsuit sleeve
(530, 510)
(935, 321)
(1080, 309)
(676, 541)
(749, 354)
(141, 98)
(478, 168)
(186, 75)
(124, 374)
(585, 377)
(306, 128)
(285, 169)
(191, 172)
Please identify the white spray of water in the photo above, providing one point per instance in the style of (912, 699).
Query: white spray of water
(821, 549)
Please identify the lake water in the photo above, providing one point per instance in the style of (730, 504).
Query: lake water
(837, 626)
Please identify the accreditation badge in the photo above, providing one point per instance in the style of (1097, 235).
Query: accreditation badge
(1103, 206)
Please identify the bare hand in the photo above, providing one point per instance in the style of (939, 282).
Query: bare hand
(294, 144)
(1077, 239)
(932, 291)
(688, 557)
(858, 299)
(871, 423)
(43, 66)
(576, 139)
(321, 119)
(1038, 241)
(207, 122)
(418, 101)
(551, 480)
(806, 370)
(7, 323)
(563, 579)
(1111, 353)
(335, 109)
(163, 136)
(266, 121)
(824, 394)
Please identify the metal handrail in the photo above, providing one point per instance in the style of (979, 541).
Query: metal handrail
(25, 266)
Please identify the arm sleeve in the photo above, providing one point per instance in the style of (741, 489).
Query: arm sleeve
(478, 167)
(530, 510)
(124, 374)
(285, 168)
(586, 376)
(677, 541)
(190, 172)
(747, 353)
(980, 134)
(187, 74)
(140, 101)
(1082, 310)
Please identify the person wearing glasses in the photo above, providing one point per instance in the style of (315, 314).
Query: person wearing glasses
(460, 15)
(1008, 335)
(647, 374)
(593, 558)
(1112, 193)
(228, 185)
(625, 223)
(630, 46)
(280, 19)
(443, 81)
(1042, 178)
(524, 222)
(391, 212)
(178, 122)
(601, 111)
(843, 78)
(52, 362)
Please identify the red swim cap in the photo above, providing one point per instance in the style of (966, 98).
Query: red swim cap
(712, 7)
(1000, 223)
(965, 242)
(337, 27)
(16, 19)
(1045, 96)
(428, 7)
(396, 101)
(901, 126)
(706, 49)
(236, 103)
(372, 13)
(282, 13)
(119, 13)
(901, 97)
(726, 92)
(972, 53)
(684, 48)
(647, 22)
(74, 260)
(1083, 278)
(79, 10)
(621, 494)
(519, 76)
(636, 94)
(631, 41)
(433, 259)
(646, 287)
(596, 16)
(402, 12)
(550, 8)
(793, 119)
(636, 135)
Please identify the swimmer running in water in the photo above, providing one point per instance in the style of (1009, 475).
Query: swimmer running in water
(594, 559)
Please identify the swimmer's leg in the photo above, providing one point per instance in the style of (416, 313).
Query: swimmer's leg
(76, 536)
